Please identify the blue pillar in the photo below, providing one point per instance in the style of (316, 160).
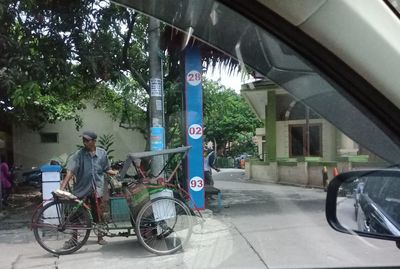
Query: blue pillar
(194, 126)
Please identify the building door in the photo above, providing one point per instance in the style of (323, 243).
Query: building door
(298, 142)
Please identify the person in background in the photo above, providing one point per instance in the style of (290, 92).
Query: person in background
(88, 165)
(209, 164)
(6, 184)
(325, 177)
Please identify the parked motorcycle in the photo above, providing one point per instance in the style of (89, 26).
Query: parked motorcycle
(32, 178)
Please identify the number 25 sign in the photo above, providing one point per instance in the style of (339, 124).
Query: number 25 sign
(195, 131)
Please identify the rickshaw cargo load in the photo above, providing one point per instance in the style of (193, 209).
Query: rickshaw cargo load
(164, 209)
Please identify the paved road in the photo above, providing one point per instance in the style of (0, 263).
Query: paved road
(286, 227)
(260, 226)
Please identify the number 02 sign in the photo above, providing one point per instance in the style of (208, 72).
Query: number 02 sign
(195, 131)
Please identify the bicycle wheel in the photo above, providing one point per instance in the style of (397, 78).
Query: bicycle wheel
(164, 225)
(62, 227)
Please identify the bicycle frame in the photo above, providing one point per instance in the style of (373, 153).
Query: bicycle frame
(134, 158)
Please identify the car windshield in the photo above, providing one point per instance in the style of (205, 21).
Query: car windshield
(267, 127)
(395, 4)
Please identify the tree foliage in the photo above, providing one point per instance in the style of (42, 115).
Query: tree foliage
(55, 55)
(106, 142)
(227, 117)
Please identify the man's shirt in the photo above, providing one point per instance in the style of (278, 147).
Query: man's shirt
(209, 161)
(89, 171)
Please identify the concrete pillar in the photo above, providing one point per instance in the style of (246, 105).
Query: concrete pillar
(346, 146)
(270, 126)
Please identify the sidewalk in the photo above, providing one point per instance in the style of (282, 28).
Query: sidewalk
(214, 244)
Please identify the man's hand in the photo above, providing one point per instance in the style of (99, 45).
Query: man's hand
(112, 172)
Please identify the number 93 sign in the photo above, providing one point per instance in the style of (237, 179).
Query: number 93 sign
(196, 183)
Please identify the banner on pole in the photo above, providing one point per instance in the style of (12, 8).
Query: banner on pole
(156, 138)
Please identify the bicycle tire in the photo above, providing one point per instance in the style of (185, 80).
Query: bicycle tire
(55, 224)
(164, 225)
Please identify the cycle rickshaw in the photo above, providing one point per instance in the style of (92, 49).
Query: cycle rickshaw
(152, 208)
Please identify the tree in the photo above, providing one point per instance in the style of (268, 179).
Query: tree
(227, 117)
(55, 55)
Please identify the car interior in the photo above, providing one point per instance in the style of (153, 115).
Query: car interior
(333, 62)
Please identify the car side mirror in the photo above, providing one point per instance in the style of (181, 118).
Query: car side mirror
(366, 203)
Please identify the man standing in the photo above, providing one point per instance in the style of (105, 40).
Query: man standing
(325, 177)
(88, 165)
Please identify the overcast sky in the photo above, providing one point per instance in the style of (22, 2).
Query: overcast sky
(233, 80)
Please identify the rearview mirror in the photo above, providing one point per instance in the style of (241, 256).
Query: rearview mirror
(366, 203)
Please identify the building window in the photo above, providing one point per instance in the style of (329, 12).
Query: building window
(299, 145)
(49, 137)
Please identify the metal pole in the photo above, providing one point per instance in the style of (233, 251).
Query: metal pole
(157, 131)
(307, 131)
(1, 197)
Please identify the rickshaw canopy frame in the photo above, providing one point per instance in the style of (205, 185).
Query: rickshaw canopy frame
(145, 154)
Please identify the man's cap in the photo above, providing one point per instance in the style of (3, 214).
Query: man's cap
(89, 135)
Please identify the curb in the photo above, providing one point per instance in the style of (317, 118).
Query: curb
(3, 215)
(284, 184)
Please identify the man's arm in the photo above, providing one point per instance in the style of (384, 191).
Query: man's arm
(72, 170)
(216, 168)
(107, 167)
(66, 179)
(212, 162)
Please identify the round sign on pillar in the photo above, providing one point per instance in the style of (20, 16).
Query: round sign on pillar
(196, 183)
(193, 78)
(195, 131)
